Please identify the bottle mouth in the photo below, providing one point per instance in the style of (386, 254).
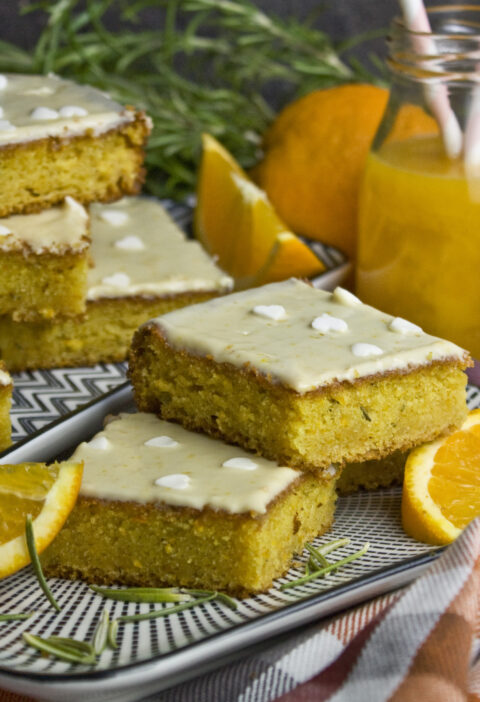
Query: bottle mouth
(450, 52)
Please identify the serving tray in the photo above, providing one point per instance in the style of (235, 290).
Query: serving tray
(156, 654)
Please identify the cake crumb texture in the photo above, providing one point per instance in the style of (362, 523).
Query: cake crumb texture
(341, 423)
(156, 545)
(101, 335)
(39, 174)
(41, 287)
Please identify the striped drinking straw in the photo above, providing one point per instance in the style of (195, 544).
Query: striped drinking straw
(436, 95)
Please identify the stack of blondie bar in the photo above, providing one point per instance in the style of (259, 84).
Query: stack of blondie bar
(276, 389)
(77, 275)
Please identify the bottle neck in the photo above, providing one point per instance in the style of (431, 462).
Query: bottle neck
(450, 53)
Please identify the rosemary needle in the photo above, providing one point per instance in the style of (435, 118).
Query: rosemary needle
(65, 651)
(316, 557)
(220, 596)
(166, 611)
(142, 594)
(100, 638)
(15, 617)
(32, 550)
(313, 575)
(112, 634)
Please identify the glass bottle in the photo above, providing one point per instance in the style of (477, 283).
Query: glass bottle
(419, 219)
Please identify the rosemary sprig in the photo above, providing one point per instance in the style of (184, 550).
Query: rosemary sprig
(319, 572)
(15, 617)
(142, 594)
(68, 650)
(166, 611)
(37, 568)
(209, 68)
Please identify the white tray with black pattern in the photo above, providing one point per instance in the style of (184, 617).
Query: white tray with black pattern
(156, 654)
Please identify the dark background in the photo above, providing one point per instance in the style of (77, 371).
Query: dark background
(340, 18)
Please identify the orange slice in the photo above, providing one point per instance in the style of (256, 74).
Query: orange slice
(237, 224)
(441, 491)
(48, 493)
(288, 248)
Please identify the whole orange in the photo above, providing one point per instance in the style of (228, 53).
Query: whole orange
(314, 154)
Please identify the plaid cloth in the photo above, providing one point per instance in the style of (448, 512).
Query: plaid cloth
(420, 643)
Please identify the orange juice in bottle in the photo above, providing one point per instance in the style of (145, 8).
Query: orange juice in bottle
(419, 222)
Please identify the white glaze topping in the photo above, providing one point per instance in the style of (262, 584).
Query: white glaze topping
(240, 463)
(114, 217)
(43, 113)
(100, 443)
(403, 326)
(289, 351)
(42, 106)
(165, 262)
(130, 243)
(57, 230)
(130, 470)
(270, 311)
(326, 323)
(345, 297)
(117, 280)
(362, 350)
(162, 442)
(174, 481)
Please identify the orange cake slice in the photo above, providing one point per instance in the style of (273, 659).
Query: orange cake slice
(302, 376)
(44, 262)
(160, 505)
(6, 387)
(143, 266)
(58, 138)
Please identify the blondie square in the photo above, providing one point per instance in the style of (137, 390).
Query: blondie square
(44, 263)
(143, 266)
(58, 138)
(301, 376)
(160, 505)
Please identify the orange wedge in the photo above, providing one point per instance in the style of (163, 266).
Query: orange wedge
(287, 248)
(47, 493)
(237, 224)
(441, 491)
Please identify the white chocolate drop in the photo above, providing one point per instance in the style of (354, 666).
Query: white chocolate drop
(4, 230)
(326, 323)
(363, 350)
(275, 312)
(114, 217)
(175, 481)
(3, 82)
(240, 463)
(403, 326)
(72, 111)
(345, 297)
(162, 442)
(117, 280)
(99, 442)
(43, 113)
(130, 243)
(6, 126)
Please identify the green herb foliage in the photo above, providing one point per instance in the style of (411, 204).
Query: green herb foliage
(203, 67)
